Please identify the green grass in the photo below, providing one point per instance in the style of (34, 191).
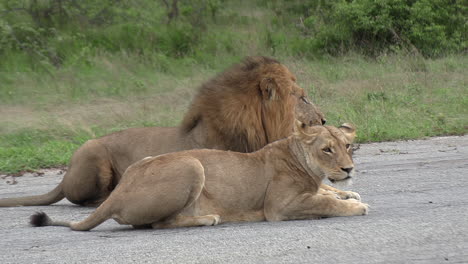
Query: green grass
(118, 81)
(388, 99)
(32, 149)
(392, 98)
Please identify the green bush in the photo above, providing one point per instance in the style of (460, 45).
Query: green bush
(427, 27)
(57, 32)
(40, 35)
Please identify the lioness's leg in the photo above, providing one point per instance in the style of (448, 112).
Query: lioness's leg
(186, 221)
(286, 200)
(341, 194)
(323, 191)
(308, 205)
(158, 192)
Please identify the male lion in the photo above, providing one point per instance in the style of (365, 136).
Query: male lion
(207, 187)
(243, 109)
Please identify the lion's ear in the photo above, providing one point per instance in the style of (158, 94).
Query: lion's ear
(299, 126)
(268, 88)
(349, 130)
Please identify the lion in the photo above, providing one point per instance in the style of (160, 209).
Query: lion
(208, 187)
(242, 109)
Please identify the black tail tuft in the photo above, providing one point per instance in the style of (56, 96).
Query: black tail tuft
(39, 219)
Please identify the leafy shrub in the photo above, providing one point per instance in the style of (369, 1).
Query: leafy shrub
(429, 27)
(56, 31)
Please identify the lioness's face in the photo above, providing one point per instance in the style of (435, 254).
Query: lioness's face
(328, 150)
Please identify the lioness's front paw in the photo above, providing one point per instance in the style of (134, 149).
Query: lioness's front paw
(361, 209)
(355, 207)
(331, 193)
(350, 195)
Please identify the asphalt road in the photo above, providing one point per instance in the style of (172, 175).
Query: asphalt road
(417, 191)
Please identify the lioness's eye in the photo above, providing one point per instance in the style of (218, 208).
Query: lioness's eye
(348, 145)
(328, 150)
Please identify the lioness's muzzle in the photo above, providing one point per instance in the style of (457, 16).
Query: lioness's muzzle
(345, 179)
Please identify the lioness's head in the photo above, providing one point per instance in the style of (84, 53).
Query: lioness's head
(327, 150)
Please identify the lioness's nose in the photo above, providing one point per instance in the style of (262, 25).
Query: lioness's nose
(323, 121)
(347, 170)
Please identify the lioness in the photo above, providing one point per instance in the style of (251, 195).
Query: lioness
(243, 109)
(207, 187)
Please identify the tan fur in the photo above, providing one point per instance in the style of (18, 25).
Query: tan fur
(208, 187)
(243, 109)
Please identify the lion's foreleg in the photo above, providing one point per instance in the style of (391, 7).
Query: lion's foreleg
(341, 194)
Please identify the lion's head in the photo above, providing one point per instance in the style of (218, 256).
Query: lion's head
(308, 113)
(250, 105)
(327, 150)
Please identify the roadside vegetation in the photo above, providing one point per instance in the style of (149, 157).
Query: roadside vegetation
(75, 70)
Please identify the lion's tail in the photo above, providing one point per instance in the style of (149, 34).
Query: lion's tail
(100, 215)
(44, 199)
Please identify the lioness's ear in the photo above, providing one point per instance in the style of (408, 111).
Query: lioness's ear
(304, 132)
(349, 131)
(268, 89)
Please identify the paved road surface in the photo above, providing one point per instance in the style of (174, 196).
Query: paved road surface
(419, 214)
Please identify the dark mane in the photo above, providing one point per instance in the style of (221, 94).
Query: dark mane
(251, 63)
(233, 80)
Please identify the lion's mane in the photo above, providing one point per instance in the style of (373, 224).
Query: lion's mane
(237, 112)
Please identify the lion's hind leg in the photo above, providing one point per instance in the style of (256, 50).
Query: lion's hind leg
(89, 179)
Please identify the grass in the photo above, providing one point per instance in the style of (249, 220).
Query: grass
(393, 99)
(47, 112)
(388, 99)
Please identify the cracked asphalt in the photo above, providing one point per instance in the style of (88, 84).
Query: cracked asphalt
(419, 214)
